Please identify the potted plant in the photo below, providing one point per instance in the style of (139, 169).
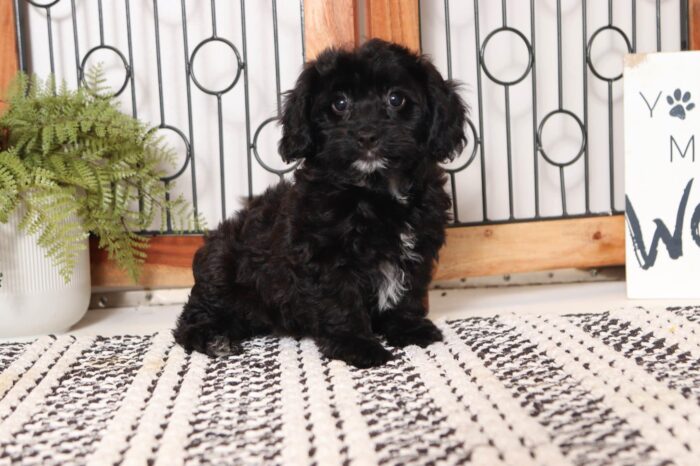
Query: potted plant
(71, 165)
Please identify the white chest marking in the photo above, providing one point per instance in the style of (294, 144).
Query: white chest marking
(393, 280)
(392, 286)
(369, 166)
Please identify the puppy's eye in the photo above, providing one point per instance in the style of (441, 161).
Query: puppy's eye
(340, 104)
(396, 100)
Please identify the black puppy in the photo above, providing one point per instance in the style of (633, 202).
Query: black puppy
(346, 251)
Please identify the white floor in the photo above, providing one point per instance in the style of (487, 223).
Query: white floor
(568, 298)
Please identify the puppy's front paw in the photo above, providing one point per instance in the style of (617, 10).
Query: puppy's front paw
(221, 346)
(369, 355)
(359, 352)
(204, 340)
(422, 333)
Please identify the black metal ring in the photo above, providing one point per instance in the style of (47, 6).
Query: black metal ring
(540, 147)
(39, 5)
(590, 46)
(188, 151)
(254, 146)
(530, 56)
(238, 62)
(127, 69)
(475, 146)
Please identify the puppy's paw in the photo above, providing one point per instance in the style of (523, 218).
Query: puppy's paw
(422, 333)
(205, 341)
(369, 355)
(221, 346)
(358, 352)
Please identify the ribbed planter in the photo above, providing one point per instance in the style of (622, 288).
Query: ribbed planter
(34, 299)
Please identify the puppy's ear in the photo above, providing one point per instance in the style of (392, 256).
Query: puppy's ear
(446, 137)
(297, 140)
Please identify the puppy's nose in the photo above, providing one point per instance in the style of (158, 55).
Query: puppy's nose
(367, 139)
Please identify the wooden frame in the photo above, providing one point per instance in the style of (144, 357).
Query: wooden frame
(394, 20)
(330, 23)
(8, 48)
(694, 24)
(470, 251)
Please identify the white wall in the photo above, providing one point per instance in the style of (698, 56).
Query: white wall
(216, 66)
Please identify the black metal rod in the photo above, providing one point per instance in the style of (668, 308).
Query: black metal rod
(509, 152)
(545, 218)
(482, 155)
(101, 22)
(134, 109)
(303, 38)
(535, 152)
(275, 40)
(586, 161)
(246, 93)
(448, 39)
(19, 31)
(420, 26)
(156, 24)
(560, 80)
(658, 25)
(611, 148)
(190, 126)
(168, 216)
(213, 18)
(562, 185)
(50, 32)
(448, 46)
(75, 42)
(222, 165)
(161, 103)
(634, 23)
(453, 187)
(685, 27)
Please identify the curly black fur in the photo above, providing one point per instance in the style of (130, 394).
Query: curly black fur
(346, 251)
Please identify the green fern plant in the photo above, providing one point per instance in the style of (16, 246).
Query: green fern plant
(80, 166)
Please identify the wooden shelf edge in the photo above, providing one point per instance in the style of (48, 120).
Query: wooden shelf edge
(469, 252)
(532, 246)
(168, 264)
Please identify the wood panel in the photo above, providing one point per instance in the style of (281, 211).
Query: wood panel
(329, 23)
(394, 20)
(8, 48)
(532, 246)
(694, 24)
(469, 252)
(168, 264)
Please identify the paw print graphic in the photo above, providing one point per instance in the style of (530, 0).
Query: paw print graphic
(680, 104)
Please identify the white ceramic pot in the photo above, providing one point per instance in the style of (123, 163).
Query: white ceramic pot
(34, 299)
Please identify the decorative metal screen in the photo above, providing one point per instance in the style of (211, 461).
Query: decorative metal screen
(543, 78)
(208, 75)
(545, 127)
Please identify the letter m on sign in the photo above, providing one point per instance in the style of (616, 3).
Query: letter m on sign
(690, 145)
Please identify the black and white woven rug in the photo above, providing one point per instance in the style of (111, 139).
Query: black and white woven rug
(620, 387)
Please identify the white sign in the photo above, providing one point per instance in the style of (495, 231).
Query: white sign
(662, 174)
